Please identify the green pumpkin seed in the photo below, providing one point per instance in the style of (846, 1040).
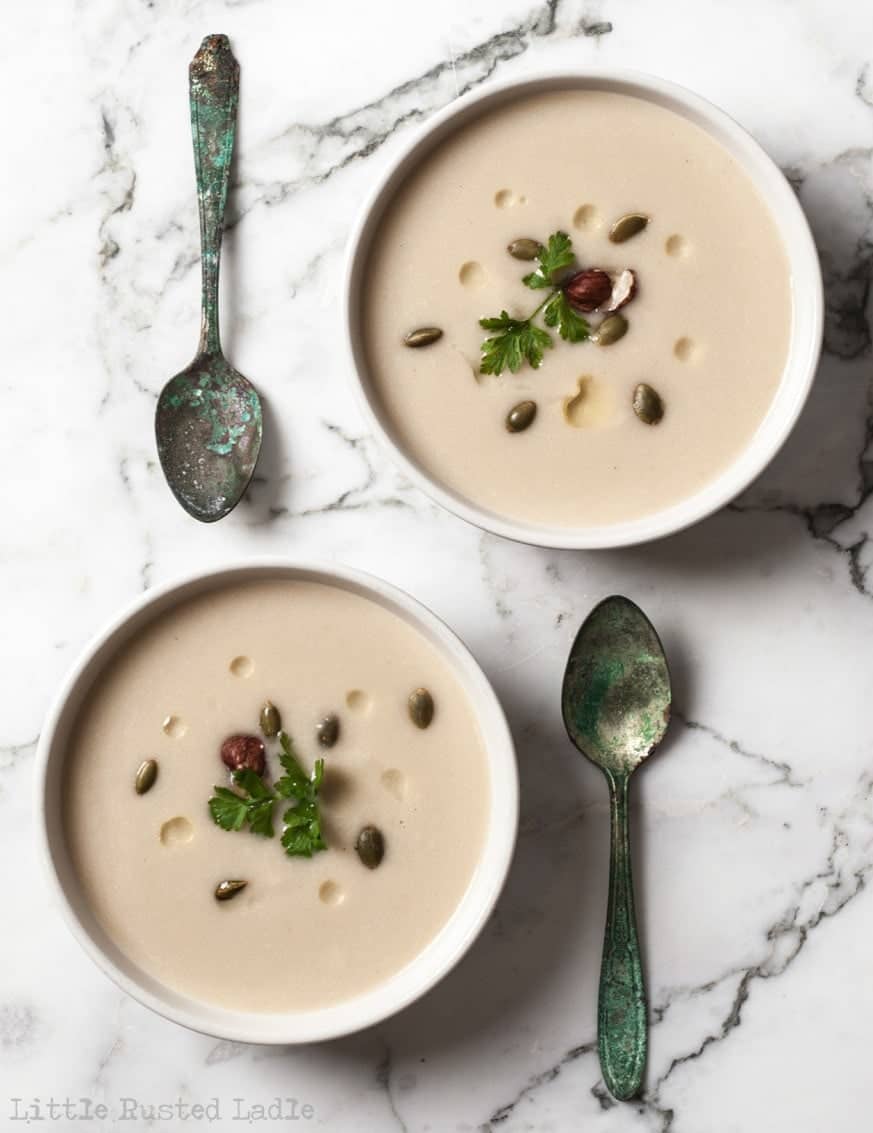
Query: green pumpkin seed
(423, 336)
(648, 404)
(224, 890)
(271, 721)
(611, 330)
(421, 707)
(521, 416)
(370, 846)
(524, 249)
(145, 776)
(626, 226)
(327, 731)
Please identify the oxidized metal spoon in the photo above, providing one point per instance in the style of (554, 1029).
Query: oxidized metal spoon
(208, 422)
(616, 705)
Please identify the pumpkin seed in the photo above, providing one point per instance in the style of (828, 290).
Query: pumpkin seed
(271, 721)
(626, 226)
(327, 731)
(370, 846)
(224, 890)
(648, 404)
(524, 249)
(521, 416)
(423, 336)
(611, 330)
(146, 775)
(421, 707)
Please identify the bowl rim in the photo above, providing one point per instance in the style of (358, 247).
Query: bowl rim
(806, 292)
(426, 969)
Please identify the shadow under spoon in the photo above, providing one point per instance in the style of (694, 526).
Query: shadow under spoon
(208, 422)
(616, 704)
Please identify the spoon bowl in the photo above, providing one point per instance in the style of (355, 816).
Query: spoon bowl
(208, 423)
(616, 698)
(616, 703)
(208, 428)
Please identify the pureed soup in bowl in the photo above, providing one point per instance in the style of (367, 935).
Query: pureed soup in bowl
(573, 304)
(279, 792)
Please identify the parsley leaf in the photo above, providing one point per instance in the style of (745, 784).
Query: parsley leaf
(228, 810)
(252, 783)
(231, 810)
(295, 782)
(518, 341)
(557, 254)
(261, 817)
(558, 313)
(301, 833)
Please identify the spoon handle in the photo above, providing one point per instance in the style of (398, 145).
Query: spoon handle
(213, 79)
(621, 1009)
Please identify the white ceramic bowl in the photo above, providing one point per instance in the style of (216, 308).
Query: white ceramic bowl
(405, 986)
(806, 286)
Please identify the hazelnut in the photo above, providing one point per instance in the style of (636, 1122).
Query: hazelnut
(241, 752)
(588, 289)
(623, 290)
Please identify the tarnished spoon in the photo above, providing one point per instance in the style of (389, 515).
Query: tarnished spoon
(208, 422)
(616, 705)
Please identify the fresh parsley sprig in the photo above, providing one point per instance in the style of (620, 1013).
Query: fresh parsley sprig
(557, 253)
(520, 340)
(559, 314)
(254, 801)
(301, 834)
(231, 810)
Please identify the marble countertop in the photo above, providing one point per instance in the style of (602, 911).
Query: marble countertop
(754, 826)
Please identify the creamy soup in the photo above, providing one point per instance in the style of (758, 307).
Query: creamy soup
(303, 932)
(707, 329)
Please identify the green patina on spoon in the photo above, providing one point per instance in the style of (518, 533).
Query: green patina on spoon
(616, 705)
(208, 422)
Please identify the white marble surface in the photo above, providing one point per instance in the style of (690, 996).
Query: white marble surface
(755, 824)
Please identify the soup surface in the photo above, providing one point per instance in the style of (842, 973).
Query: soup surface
(707, 329)
(304, 932)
